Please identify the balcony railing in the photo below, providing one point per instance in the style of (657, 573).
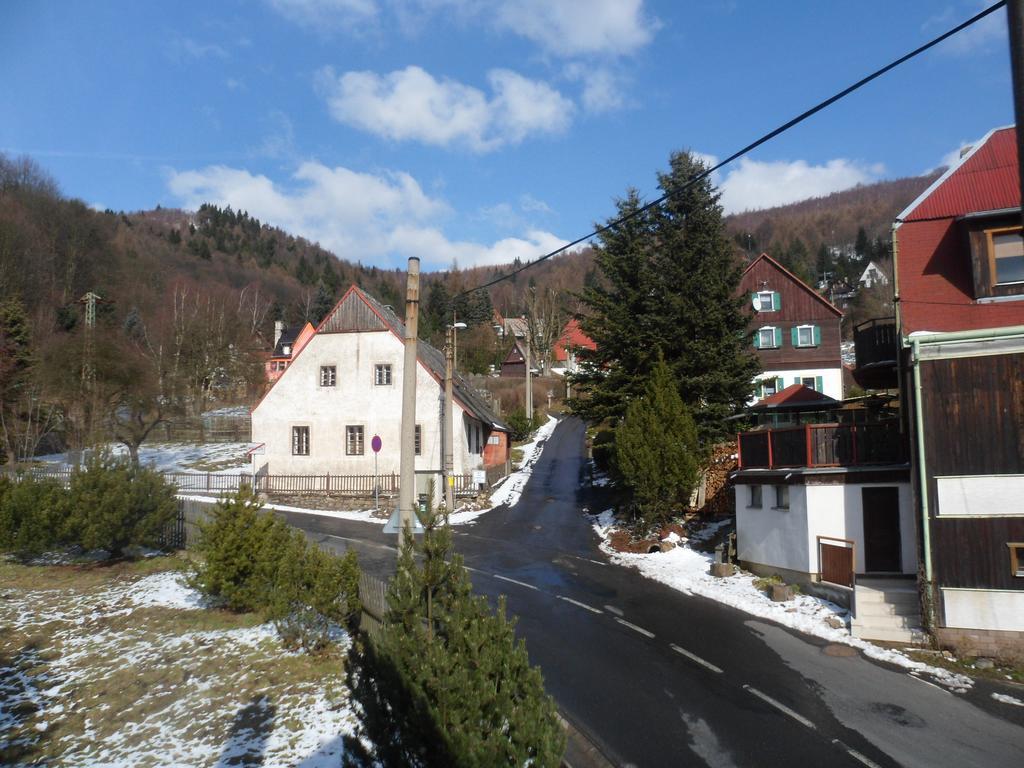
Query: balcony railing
(823, 445)
(876, 345)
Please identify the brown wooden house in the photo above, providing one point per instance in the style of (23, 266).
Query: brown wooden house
(796, 331)
(959, 262)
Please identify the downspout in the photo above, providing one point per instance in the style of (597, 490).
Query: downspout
(922, 472)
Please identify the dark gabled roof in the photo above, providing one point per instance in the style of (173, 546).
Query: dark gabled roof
(769, 260)
(346, 318)
(288, 337)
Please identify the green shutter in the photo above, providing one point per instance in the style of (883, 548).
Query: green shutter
(776, 300)
(757, 339)
(796, 379)
(794, 335)
(817, 336)
(778, 337)
(818, 385)
(753, 301)
(779, 384)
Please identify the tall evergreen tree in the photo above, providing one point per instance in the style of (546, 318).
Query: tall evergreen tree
(671, 282)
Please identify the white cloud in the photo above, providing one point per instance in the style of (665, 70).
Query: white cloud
(411, 105)
(579, 27)
(953, 156)
(602, 89)
(359, 216)
(181, 48)
(326, 15)
(984, 35)
(754, 184)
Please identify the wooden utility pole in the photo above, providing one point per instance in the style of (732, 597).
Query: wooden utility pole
(529, 381)
(407, 466)
(448, 434)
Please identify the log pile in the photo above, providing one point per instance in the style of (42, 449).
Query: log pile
(719, 497)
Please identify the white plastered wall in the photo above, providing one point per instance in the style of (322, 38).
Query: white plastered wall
(297, 399)
(831, 379)
(788, 538)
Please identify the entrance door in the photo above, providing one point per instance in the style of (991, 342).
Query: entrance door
(881, 529)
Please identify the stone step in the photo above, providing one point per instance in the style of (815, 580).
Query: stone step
(886, 609)
(893, 622)
(877, 598)
(887, 634)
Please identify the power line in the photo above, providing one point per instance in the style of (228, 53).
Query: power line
(750, 147)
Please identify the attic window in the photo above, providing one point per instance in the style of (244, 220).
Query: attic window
(997, 255)
(1007, 254)
(328, 375)
(287, 349)
(767, 301)
(382, 374)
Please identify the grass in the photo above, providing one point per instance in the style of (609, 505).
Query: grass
(1002, 673)
(517, 456)
(89, 675)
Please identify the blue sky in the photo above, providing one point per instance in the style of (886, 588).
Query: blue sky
(476, 132)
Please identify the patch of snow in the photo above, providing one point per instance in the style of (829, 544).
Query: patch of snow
(165, 590)
(1003, 698)
(511, 488)
(688, 571)
(179, 457)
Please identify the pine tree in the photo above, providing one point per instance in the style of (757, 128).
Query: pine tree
(446, 683)
(670, 282)
(656, 451)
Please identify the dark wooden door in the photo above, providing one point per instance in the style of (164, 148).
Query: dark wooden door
(881, 530)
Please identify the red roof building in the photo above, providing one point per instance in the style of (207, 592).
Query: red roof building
(572, 338)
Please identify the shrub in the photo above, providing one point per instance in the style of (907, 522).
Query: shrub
(252, 561)
(603, 450)
(113, 504)
(520, 424)
(31, 512)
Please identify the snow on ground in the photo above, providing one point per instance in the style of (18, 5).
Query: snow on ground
(1002, 697)
(687, 570)
(217, 458)
(96, 685)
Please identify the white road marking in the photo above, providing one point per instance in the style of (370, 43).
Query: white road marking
(613, 609)
(514, 581)
(929, 682)
(864, 759)
(780, 706)
(581, 605)
(471, 569)
(696, 658)
(634, 627)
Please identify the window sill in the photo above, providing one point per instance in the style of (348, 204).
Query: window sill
(998, 299)
(786, 509)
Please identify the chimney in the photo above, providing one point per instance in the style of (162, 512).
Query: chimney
(278, 330)
(965, 149)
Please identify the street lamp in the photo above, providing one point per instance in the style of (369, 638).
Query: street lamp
(450, 338)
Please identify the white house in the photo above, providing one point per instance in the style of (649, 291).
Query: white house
(345, 386)
(872, 275)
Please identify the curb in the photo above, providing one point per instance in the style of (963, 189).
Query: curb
(582, 751)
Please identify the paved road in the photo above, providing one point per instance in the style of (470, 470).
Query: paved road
(657, 678)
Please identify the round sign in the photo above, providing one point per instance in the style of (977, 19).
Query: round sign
(376, 444)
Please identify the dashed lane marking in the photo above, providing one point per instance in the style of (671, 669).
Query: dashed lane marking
(613, 609)
(912, 676)
(579, 604)
(696, 658)
(863, 759)
(780, 706)
(515, 581)
(634, 627)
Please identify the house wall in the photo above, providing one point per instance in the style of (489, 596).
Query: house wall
(831, 378)
(788, 538)
(297, 399)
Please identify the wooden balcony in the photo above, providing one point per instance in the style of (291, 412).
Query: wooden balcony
(876, 345)
(823, 445)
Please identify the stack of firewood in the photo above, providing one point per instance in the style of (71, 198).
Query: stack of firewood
(719, 499)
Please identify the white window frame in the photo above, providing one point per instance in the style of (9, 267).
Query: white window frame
(328, 375)
(799, 341)
(761, 305)
(386, 370)
(771, 330)
(357, 431)
(300, 440)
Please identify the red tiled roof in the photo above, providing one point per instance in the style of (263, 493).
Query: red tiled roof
(572, 336)
(793, 395)
(986, 179)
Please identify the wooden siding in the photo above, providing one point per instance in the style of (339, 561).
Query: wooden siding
(973, 410)
(352, 314)
(800, 306)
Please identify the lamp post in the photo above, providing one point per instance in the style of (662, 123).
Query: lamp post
(449, 430)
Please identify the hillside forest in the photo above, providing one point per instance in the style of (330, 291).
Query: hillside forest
(184, 303)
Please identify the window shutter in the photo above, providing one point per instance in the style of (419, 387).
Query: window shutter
(779, 384)
(796, 379)
(757, 339)
(755, 302)
(817, 336)
(778, 336)
(818, 383)
(776, 300)
(794, 335)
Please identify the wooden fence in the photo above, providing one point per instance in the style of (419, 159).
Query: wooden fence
(836, 559)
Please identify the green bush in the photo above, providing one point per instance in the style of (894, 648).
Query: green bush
(113, 504)
(252, 561)
(520, 425)
(603, 450)
(31, 513)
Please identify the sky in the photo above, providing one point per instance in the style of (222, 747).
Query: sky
(478, 132)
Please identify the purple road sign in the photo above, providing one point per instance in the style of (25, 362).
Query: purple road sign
(376, 444)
